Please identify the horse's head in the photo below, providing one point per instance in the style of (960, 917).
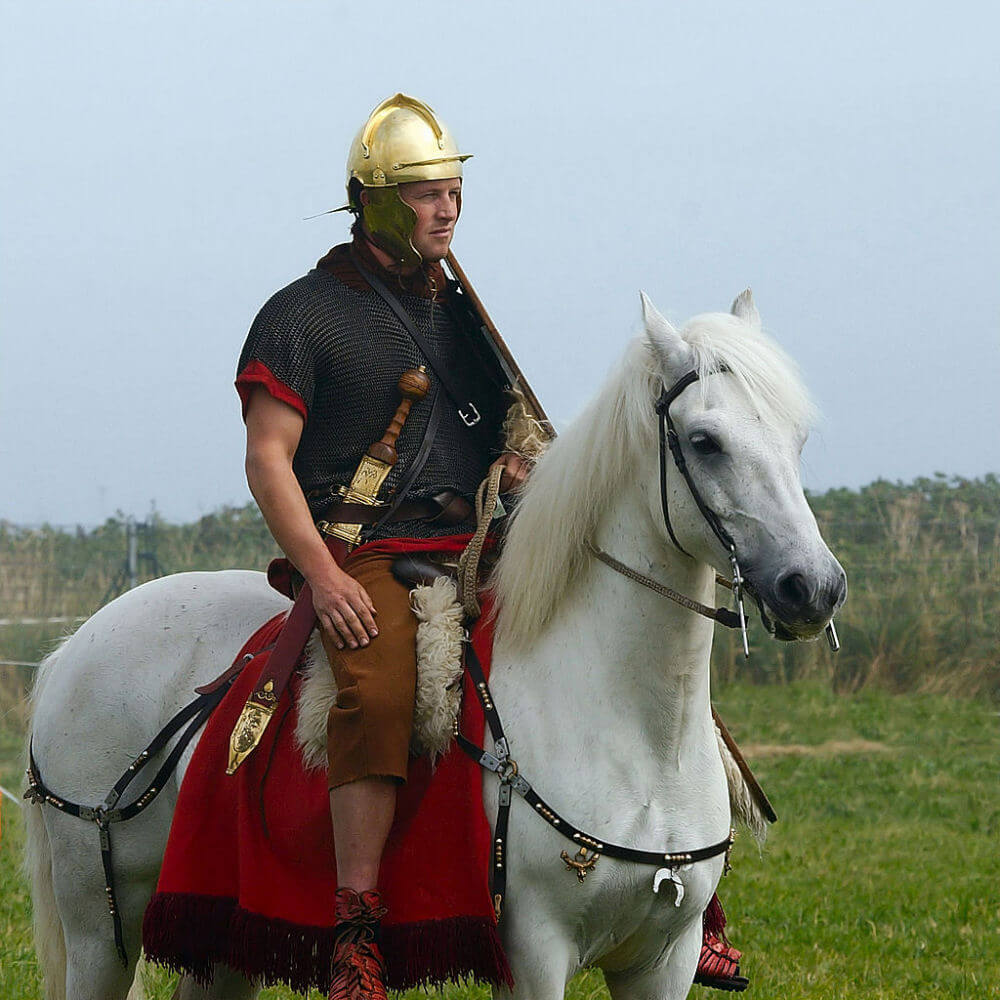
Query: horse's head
(738, 426)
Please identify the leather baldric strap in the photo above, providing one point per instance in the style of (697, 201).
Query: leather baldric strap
(461, 393)
(395, 508)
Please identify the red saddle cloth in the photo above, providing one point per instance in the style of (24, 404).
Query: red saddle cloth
(248, 877)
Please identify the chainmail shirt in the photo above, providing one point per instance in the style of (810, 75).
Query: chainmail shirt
(340, 350)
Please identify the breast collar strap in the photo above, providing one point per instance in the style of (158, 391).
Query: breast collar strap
(669, 439)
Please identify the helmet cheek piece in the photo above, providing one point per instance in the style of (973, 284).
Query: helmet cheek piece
(390, 222)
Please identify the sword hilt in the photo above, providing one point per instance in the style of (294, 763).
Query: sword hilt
(413, 385)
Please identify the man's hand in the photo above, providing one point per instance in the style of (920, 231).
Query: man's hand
(515, 471)
(344, 609)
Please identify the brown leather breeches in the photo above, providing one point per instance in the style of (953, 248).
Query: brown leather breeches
(368, 729)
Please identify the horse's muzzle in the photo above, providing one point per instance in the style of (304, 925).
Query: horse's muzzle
(800, 605)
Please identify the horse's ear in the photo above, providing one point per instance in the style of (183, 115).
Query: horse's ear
(743, 308)
(668, 345)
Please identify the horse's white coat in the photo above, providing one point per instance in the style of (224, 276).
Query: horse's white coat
(604, 692)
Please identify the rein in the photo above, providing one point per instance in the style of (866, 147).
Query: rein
(721, 615)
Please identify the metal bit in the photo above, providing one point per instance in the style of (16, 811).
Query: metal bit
(831, 636)
(738, 595)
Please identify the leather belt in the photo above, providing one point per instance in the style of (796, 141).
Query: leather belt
(445, 508)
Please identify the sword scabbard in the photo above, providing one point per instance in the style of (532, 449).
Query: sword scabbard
(249, 730)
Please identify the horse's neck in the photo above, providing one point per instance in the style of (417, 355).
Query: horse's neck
(618, 656)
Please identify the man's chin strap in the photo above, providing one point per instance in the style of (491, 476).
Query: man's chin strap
(669, 438)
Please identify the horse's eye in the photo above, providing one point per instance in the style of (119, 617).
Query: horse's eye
(704, 443)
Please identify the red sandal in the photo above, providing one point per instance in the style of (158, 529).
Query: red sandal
(358, 969)
(719, 966)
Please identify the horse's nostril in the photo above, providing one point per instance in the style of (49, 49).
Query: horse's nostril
(793, 589)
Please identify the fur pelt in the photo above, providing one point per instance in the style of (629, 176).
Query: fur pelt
(439, 667)
(523, 433)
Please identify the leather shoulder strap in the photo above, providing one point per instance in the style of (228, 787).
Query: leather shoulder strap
(454, 385)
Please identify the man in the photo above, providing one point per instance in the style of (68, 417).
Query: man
(318, 377)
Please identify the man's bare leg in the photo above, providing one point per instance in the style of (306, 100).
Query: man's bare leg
(362, 813)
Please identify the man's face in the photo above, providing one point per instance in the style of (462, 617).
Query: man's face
(436, 204)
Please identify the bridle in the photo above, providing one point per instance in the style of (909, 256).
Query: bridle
(669, 439)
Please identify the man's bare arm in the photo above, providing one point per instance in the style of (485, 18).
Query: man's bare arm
(342, 605)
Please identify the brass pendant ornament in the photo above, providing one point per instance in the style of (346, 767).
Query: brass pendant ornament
(402, 142)
(581, 862)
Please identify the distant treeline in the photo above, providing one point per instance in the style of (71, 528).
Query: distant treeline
(922, 560)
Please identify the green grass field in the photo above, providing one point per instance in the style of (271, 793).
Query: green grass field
(879, 881)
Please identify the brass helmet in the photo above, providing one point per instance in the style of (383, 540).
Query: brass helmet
(403, 141)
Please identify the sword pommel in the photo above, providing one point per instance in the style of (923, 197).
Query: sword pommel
(413, 386)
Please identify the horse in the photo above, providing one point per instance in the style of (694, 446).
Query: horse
(602, 683)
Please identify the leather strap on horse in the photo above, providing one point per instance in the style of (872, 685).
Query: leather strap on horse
(194, 714)
(487, 497)
(721, 615)
(505, 768)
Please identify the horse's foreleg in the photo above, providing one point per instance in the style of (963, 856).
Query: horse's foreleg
(670, 979)
(541, 956)
(226, 985)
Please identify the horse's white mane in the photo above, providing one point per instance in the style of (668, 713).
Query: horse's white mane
(577, 477)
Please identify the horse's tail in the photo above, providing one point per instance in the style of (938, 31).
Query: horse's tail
(50, 942)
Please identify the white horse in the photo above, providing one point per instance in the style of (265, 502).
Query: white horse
(602, 685)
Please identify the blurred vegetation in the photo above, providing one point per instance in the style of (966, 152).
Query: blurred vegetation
(923, 607)
(922, 560)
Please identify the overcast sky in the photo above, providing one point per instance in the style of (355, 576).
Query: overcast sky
(158, 159)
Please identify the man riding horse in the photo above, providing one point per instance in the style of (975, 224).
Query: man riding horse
(318, 380)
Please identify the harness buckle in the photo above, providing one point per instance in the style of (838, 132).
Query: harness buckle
(471, 418)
